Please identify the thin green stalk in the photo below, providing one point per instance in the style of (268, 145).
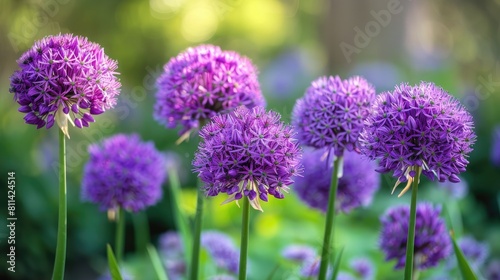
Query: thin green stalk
(120, 234)
(141, 230)
(62, 234)
(329, 223)
(195, 253)
(181, 220)
(244, 239)
(411, 227)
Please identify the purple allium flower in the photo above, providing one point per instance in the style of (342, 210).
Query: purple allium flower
(201, 82)
(420, 126)
(345, 276)
(495, 148)
(455, 190)
(172, 250)
(247, 152)
(364, 268)
(64, 78)
(356, 187)
(432, 242)
(123, 172)
(474, 251)
(493, 270)
(310, 267)
(298, 253)
(222, 250)
(332, 112)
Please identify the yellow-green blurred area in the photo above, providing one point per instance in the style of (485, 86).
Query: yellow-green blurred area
(452, 43)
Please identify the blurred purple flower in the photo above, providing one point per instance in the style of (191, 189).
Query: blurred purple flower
(364, 268)
(332, 112)
(475, 252)
(495, 147)
(248, 152)
(298, 253)
(310, 267)
(201, 82)
(125, 172)
(345, 276)
(172, 250)
(493, 270)
(222, 250)
(64, 78)
(419, 126)
(432, 242)
(455, 190)
(356, 187)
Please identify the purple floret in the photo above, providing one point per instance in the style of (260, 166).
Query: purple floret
(64, 78)
(419, 127)
(356, 187)
(125, 172)
(432, 242)
(201, 82)
(331, 113)
(248, 152)
(222, 250)
(298, 253)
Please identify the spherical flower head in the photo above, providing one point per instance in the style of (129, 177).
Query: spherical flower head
(222, 250)
(203, 81)
(455, 190)
(64, 78)
(364, 268)
(332, 112)
(432, 242)
(495, 147)
(356, 187)
(123, 172)
(474, 251)
(493, 270)
(419, 128)
(248, 152)
(298, 253)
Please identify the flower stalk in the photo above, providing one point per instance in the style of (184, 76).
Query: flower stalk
(120, 234)
(411, 227)
(329, 223)
(195, 252)
(244, 240)
(62, 234)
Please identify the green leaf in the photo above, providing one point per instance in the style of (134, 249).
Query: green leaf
(157, 264)
(336, 264)
(463, 264)
(114, 270)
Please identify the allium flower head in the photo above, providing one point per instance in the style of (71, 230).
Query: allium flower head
(364, 268)
(123, 172)
(172, 250)
(421, 128)
(475, 252)
(432, 242)
(298, 253)
(356, 187)
(332, 112)
(64, 78)
(222, 250)
(201, 82)
(495, 148)
(248, 152)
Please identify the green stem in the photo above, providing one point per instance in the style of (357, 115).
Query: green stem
(244, 239)
(411, 227)
(62, 234)
(120, 234)
(329, 223)
(141, 230)
(195, 253)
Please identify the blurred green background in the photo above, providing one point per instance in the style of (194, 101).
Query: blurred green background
(452, 43)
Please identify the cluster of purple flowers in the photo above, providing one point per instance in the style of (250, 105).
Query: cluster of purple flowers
(432, 242)
(123, 172)
(419, 126)
(305, 256)
(248, 152)
(363, 270)
(218, 245)
(356, 187)
(64, 78)
(203, 81)
(332, 112)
